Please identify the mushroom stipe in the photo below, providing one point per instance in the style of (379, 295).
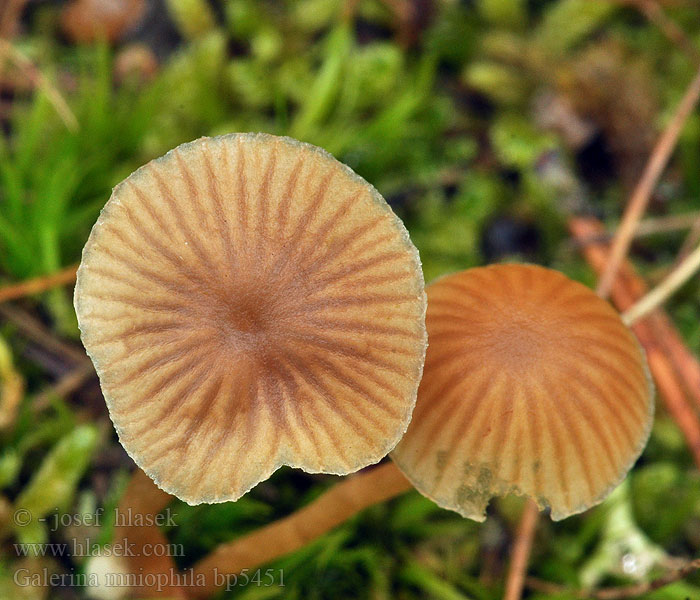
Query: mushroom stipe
(250, 302)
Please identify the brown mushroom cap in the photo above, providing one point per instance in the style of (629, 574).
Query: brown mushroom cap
(532, 385)
(249, 302)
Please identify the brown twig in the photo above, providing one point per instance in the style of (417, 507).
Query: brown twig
(647, 227)
(335, 506)
(667, 224)
(34, 74)
(662, 292)
(642, 193)
(67, 384)
(691, 241)
(35, 330)
(521, 551)
(39, 284)
(615, 593)
(655, 14)
(662, 329)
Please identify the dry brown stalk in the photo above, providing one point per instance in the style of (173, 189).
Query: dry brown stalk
(33, 329)
(38, 79)
(521, 551)
(691, 240)
(642, 193)
(39, 284)
(662, 292)
(653, 11)
(67, 384)
(615, 593)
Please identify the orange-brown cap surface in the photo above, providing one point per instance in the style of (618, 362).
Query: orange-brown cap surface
(249, 302)
(532, 385)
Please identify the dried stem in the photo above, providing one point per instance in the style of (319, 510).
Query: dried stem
(521, 551)
(680, 275)
(667, 337)
(615, 593)
(690, 241)
(36, 331)
(642, 193)
(675, 399)
(39, 284)
(335, 506)
(666, 224)
(656, 15)
(651, 226)
(34, 74)
(67, 384)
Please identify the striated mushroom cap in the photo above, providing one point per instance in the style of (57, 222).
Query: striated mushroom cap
(532, 385)
(249, 302)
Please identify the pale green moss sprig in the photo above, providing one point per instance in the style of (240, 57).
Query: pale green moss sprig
(53, 485)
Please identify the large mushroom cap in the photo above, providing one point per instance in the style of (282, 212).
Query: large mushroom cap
(532, 385)
(249, 302)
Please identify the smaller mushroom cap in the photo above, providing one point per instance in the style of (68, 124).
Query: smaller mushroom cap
(249, 302)
(532, 385)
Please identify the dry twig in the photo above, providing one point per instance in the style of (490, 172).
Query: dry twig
(662, 292)
(39, 284)
(67, 384)
(691, 241)
(642, 193)
(34, 74)
(649, 226)
(615, 593)
(667, 224)
(521, 551)
(656, 15)
(36, 331)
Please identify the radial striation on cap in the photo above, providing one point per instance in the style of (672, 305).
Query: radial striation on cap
(249, 302)
(532, 385)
